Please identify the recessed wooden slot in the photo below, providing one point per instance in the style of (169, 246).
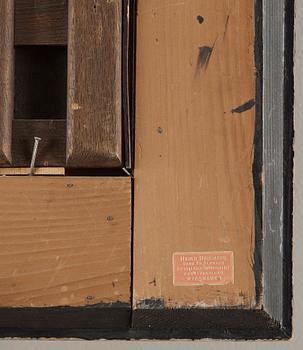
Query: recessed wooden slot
(40, 105)
(40, 82)
(51, 148)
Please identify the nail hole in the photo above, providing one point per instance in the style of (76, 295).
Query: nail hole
(200, 19)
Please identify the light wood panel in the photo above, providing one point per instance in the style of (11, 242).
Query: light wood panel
(195, 123)
(6, 78)
(64, 241)
(94, 84)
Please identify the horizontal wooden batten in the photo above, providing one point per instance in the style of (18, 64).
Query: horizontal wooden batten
(65, 241)
(51, 151)
(6, 78)
(94, 119)
(41, 22)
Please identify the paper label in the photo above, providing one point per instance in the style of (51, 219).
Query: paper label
(203, 268)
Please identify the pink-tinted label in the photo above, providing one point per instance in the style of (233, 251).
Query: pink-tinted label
(200, 268)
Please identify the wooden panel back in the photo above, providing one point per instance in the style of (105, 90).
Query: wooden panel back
(195, 124)
(64, 241)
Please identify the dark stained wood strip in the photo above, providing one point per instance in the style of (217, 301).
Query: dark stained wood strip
(51, 151)
(41, 22)
(6, 78)
(94, 122)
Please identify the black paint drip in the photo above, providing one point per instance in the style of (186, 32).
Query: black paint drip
(245, 107)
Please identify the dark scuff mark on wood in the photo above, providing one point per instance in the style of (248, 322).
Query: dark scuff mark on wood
(153, 282)
(226, 26)
(152, 303)
(244, 107)
(200, 19)
(204, 56)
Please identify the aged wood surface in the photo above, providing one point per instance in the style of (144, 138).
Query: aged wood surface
(195, 123)
(37, 171)
(94, 84)
(41, 22)
(51, 151)
(6, 78)
(64, 241)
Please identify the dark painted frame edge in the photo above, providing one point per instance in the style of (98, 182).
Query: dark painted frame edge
(288, 137)
(221, 324)
(112, 316)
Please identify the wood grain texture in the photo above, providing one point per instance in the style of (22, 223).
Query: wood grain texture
(94, 123)
(6, 78)
(37, 171)
(41, 22)
(195, 123)
(51, 151)
(64, 241)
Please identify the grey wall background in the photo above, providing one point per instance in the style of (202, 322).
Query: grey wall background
(297, 342)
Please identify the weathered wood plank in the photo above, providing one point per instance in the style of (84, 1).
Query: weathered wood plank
(51, 151)
(195, 124)
(41, 22)
(94, 84)
(64, 241)
(6, 78)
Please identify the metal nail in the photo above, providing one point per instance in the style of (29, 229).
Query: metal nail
(34, 155)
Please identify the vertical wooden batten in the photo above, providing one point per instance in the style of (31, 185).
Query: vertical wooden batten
(195, 126)
(6, 78)
(94, 111)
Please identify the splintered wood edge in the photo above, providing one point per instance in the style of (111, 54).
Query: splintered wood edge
(26, 171)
